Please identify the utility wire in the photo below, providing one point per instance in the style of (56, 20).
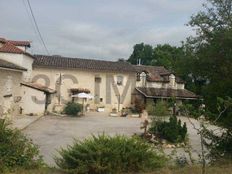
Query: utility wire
(37, 27)
(32, 23)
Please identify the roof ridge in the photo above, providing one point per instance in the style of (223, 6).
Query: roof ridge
(9, 47)
(16, 49)
(149, 66)
(16, 42)
(87, 59)
(20, 42)
(68, 62)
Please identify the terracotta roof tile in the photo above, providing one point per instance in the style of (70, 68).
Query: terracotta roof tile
(20, 43)
(16, 43)
(10, 48)
(79, 63)
(156, 73)
(167, 93)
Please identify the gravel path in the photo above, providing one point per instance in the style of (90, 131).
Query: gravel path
(51, 132)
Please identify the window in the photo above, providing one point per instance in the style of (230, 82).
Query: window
(119, 80)
(143, 77)
(98, 79)
(101, 99)
(138, 77)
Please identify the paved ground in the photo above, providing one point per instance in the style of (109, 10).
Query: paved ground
(51, 132)
(22, 121)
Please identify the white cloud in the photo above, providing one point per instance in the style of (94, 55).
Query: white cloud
(98, 28)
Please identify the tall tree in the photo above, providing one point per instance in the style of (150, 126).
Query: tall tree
(141, 52)
(212, 50)
(167, 55)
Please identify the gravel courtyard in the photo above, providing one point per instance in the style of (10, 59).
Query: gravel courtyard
(51, 132)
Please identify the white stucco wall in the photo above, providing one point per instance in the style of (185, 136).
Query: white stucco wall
(10, 85)
(21, 60)
(86, 80)
(30, 104)
(172, 84)
(180, 86)
(155, 85)
(22, 48)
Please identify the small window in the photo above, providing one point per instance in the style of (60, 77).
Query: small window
(119, 80)
(138, 77)
(101, 99)
(143, 77)
(98, 79)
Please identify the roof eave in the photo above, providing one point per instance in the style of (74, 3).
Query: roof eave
(83, 69)
(166, 97)
(13, 69)
(36, 88)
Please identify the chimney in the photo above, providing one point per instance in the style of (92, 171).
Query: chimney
(172, 80)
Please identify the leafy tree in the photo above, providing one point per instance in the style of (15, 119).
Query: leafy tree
(161, 55)
(210, 51)
(204, 61)
(141, 51)
(167, 56)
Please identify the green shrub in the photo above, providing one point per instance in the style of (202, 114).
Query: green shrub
(172, 131)
(150, 108)
(161, 109)
(16, 150)
(72, 108)
(104, 154)
(158, 109)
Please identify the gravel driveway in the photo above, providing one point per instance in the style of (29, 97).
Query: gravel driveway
(51, 132)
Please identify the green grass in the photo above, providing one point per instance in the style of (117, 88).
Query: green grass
(223, 169)
(37, 171)
(196, 170)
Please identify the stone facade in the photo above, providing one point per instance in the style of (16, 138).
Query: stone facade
(102, 85)
(10, 93)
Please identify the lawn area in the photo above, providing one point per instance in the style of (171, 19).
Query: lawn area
(224, 169)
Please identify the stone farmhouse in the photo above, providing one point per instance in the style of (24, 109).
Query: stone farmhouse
(32, 84)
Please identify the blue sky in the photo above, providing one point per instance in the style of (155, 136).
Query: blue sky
(102, 29)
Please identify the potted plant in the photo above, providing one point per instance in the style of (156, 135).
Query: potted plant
(135, 113)
(114, 113)
(101, 109)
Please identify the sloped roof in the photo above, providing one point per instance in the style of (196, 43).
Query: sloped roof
(156, 73)
(16, 42)
(9, 65)
(39, 87)
(9, 47)
(167, 93)
(20, 43)
(80, 63)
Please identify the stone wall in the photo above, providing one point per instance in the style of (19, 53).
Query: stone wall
(10, 96)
